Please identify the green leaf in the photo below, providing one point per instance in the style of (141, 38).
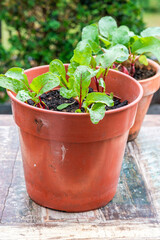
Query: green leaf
(111, 95)
(72, 67)
(82, 53)
(107, 26)
(98, 97)
(18, 74)
(82, 81)
(100, 71)
(52, 83)
(102, 84)
(11, 84)
(121, 52)
(105, 41)
(133, 39)
(93, 62)
(121, 36)
(97, 112)
(44, 83)
(64, 105)
(94, 46)
(151, 32)
(57, 67)
(78, 111)
(147, 45)
(71, 82)
(66, 93)
(90, 33)
(24, 95)
(93, 72)
(131, 34)
(115, 53)
(143, 60)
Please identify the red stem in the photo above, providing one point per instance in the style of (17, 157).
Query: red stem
(114, 66)
(96, 82)
(132, 70)
(80, 97)
(124, 70)
(42, 104)
(38, 105)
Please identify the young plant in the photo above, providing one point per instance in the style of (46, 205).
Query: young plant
(15, 80)
(83, 66)
(75, 84)
(105, 58)
(147, 42)
(83, 55)
(77, 87)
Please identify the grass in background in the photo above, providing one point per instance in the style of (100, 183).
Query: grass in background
(152, 19)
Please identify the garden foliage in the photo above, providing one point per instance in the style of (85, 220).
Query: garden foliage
(43, 30)
(40, 30)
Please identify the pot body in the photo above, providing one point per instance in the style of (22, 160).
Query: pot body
(150, 86)
(69, 163)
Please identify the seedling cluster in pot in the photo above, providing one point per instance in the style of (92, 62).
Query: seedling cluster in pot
(83, 67)
(90, 61)
(137, 45)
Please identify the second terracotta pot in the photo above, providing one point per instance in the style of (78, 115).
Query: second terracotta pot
(69, 163)
(150, 86)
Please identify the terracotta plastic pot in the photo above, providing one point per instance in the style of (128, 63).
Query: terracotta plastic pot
(150, 86)
(69, 163)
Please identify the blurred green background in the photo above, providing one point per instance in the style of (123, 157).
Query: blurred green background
(33, 32)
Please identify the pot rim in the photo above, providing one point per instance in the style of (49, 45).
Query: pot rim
(112, 111)
(156, 66)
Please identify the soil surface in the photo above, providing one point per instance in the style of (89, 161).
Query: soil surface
(143, 72)
(53, 99)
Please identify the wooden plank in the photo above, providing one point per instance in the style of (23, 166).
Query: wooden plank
(132, 200)
(147, 151)
(9, 143)
(151, 120)
(6, 120)
(8, 152)
(51, 217)
(19, 208)
(82, 231)
(15, 205)
(134, 213)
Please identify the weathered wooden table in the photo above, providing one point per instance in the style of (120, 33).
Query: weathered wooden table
(134, 213)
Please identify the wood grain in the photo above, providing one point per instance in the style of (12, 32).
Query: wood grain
(134, 212)
(9, 146)
(110, 231)
(151, 121)
(6, 120)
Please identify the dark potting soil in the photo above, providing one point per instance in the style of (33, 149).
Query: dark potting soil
(53, 99)
(143, 72)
